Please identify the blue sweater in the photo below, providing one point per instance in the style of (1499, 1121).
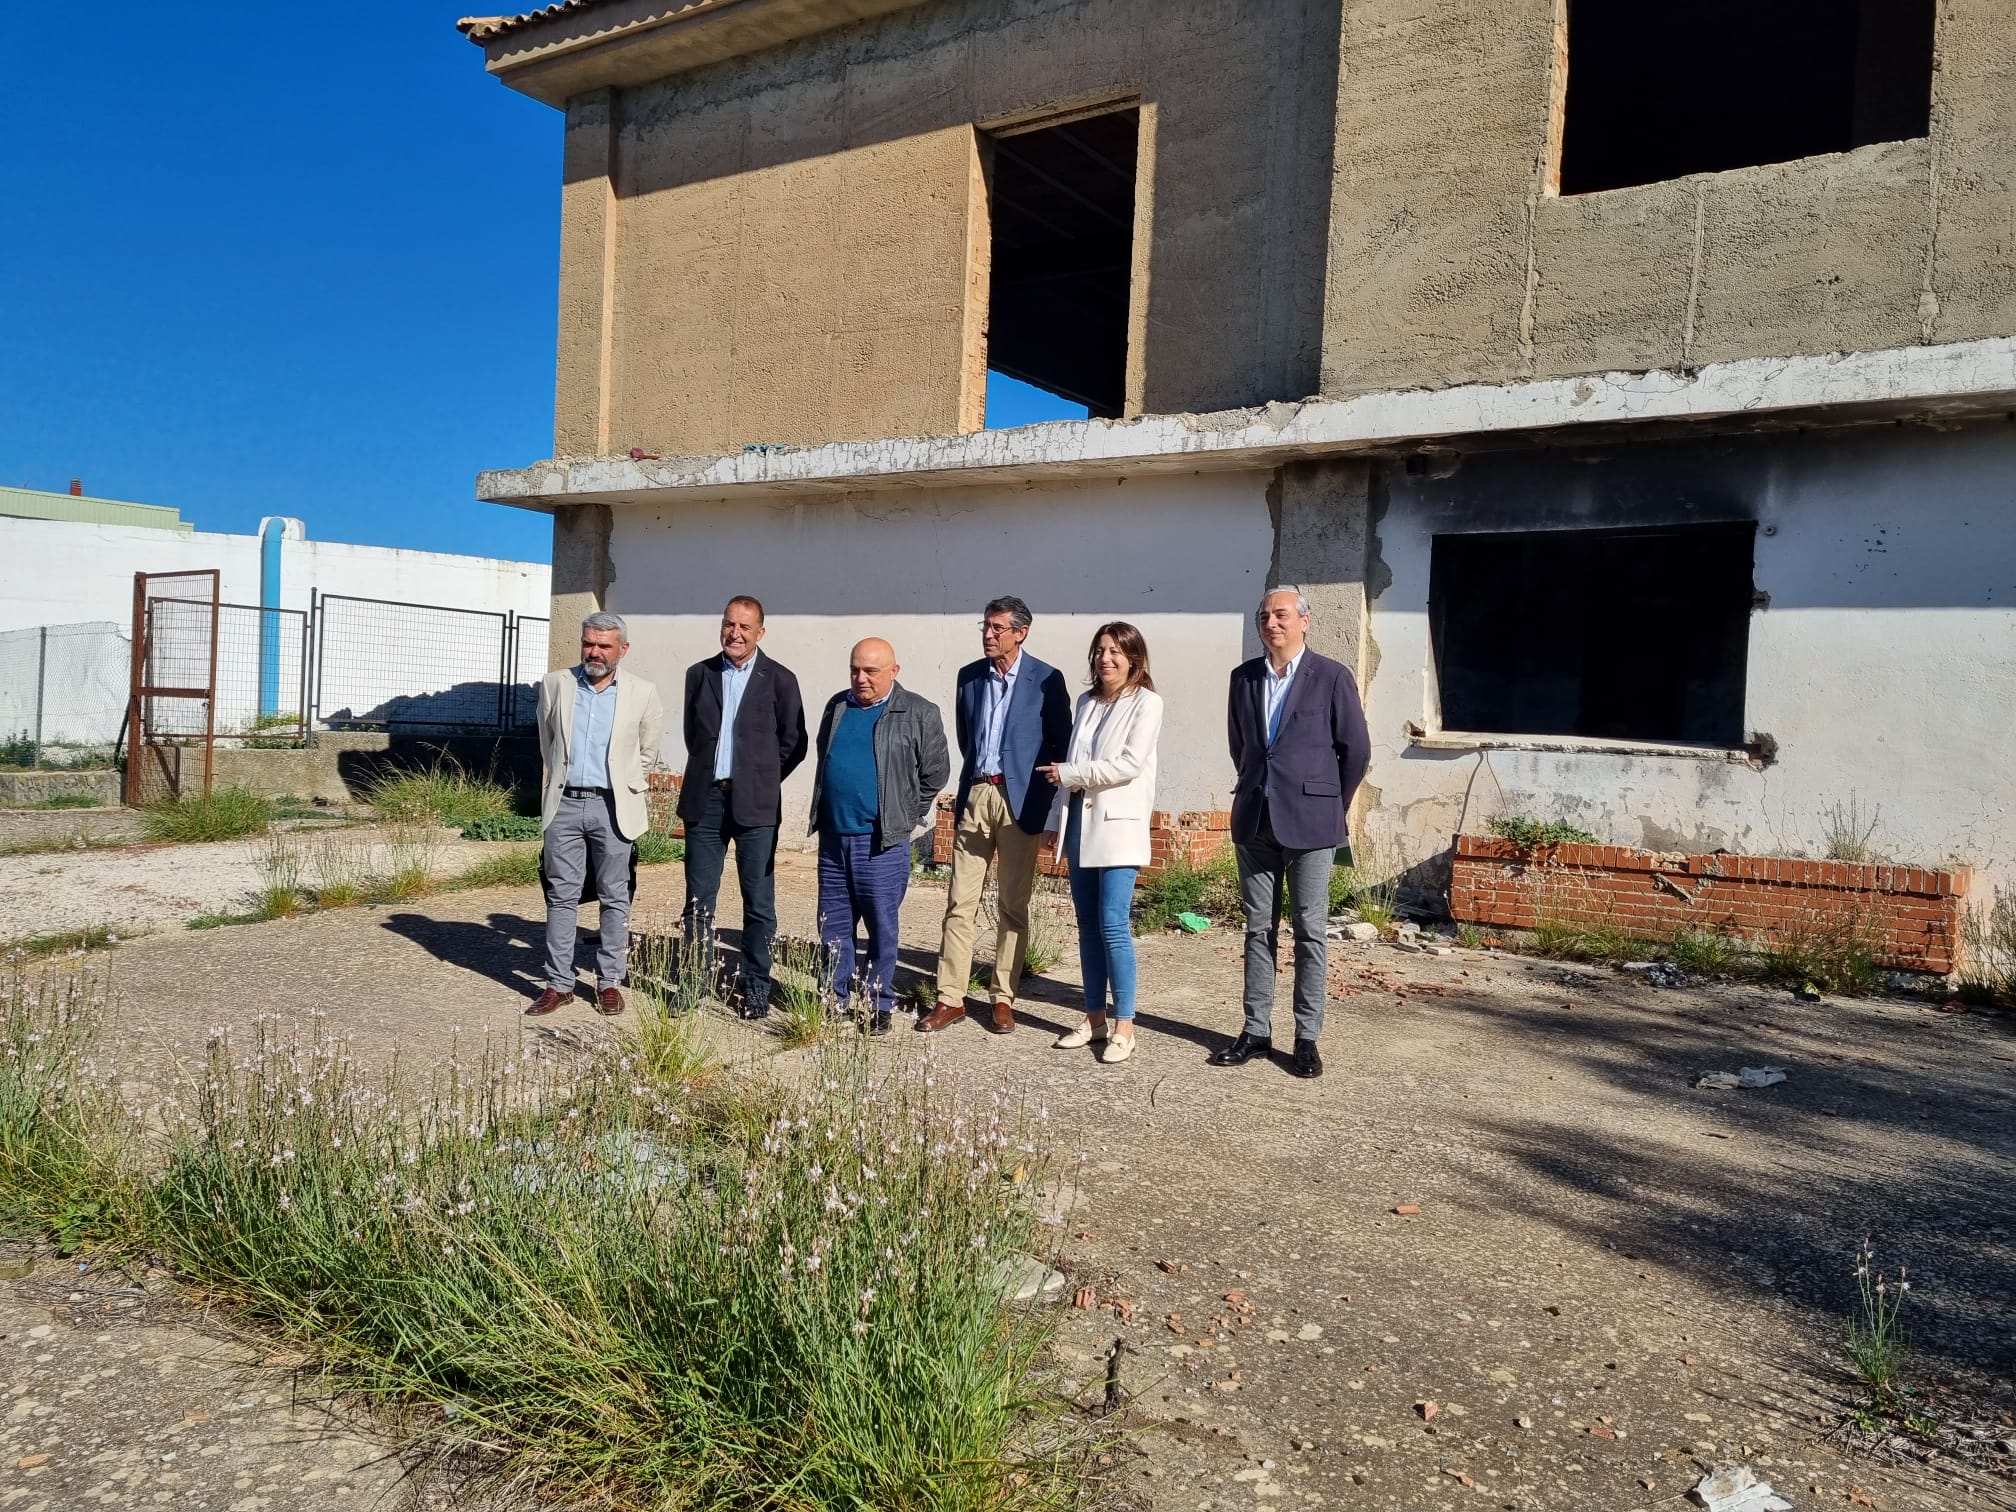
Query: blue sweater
(853, 795)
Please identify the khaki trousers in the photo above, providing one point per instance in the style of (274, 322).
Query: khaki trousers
(987, 833)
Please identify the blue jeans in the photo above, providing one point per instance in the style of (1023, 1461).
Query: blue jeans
(860, 886)
(1103, 898)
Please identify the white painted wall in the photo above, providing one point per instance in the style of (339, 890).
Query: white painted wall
(1185, 559)
(55, 572)
(1884, 666)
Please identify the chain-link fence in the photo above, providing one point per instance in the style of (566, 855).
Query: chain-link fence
(63, 691)
(380, 664)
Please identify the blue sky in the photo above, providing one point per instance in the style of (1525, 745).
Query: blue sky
(282, 260)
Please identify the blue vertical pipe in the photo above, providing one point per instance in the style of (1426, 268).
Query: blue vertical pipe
(271, 533)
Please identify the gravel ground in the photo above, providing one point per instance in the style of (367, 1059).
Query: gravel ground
(1613, 1278)
(144, 888)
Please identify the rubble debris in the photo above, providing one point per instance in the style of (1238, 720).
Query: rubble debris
(1750, 1077)
(1735, 1488)
(1658, 973)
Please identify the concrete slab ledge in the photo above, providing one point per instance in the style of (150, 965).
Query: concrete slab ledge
(1956, 381)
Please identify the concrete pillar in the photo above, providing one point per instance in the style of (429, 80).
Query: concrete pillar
(582, 392)
(582, 572)
(1324, 544)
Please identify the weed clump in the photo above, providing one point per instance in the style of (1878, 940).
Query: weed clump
(228, 813)
(1184, 886)
(1532, 833)
(443, 794)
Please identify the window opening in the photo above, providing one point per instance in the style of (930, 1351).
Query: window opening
(1658, 90)
(1609, 634)
(1062, 217)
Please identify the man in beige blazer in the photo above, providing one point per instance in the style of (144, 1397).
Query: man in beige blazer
(598, 735)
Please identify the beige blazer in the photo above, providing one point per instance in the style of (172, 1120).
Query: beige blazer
(1112, 762)
(633, 745)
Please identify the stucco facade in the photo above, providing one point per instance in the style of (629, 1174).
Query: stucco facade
(774, 274)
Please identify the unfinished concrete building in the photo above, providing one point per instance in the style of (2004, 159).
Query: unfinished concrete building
(1628, 386)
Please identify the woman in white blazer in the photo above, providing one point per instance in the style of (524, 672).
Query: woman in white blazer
(1105, 793)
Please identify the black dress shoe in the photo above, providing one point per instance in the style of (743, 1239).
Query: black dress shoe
(1307, 1062)
(1246, 1047)
(755, 1010)
(879, 1024)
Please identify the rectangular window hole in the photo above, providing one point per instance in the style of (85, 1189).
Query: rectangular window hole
(1061, 209)
(1638, 634)
(1657, 90)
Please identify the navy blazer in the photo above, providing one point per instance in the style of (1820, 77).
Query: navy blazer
(1038, 733)
(1318, 758)
(770, 741)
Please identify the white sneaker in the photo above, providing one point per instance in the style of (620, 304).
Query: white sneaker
(1118, 1048)
(1083, 1035)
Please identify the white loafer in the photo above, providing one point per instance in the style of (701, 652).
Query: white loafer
(1118, 1048)
(1083, 1035)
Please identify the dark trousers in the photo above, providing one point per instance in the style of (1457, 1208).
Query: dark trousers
(707, 840)
(861, 887)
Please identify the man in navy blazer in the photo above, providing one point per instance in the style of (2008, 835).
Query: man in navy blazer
(745, 733)
(1300, 749)
(1013, 715)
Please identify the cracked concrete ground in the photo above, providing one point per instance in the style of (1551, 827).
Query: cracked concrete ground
(1612, 1279)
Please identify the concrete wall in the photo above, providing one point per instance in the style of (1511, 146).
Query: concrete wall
(791, 246)
(1881, 667)
(1452, 261)
(59, 572)
(1184, 559)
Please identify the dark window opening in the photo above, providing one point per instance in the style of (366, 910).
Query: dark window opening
(1062, 212)
(1609, 634)
(1658, 89)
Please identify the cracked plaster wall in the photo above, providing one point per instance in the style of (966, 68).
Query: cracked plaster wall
(1451, 263)
(1882, 665)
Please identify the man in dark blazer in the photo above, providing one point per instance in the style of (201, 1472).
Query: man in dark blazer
(1300, 749)
(1013, 715)
(745, 733)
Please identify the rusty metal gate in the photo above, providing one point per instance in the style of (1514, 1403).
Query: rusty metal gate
(171, 712)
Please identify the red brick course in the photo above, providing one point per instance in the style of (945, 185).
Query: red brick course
(1194, 837)
(1911, 915)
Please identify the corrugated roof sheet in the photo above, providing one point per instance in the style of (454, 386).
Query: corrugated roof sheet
(488, 28)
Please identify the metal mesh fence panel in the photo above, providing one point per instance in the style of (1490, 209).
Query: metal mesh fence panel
(379, 663)
(259, 675)
(533, 642)
(63, 690)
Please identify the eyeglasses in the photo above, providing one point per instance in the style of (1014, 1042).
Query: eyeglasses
(988, 627)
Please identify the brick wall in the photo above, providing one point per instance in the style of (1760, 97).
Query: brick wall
(661, 797)
(1911, 915)
(1194, 837)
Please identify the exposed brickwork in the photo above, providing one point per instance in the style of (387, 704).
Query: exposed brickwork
(662, 798)
(1911, 915)
(1196, 837)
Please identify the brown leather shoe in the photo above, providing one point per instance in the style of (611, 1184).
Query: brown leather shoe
(942, 1017)
(550, 1001)
(1002, 1020)
(609, 1000)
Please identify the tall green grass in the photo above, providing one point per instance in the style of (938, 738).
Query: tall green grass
(67, 1146)
(630, 1288)
(229, 813)
(442, 794)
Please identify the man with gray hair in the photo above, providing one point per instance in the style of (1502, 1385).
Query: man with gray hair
(598, 736)
(1300, 749)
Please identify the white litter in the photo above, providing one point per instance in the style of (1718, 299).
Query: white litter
(1735, 1488)
(1751, 1077)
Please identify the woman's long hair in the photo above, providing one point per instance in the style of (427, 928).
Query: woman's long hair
(1132, 646)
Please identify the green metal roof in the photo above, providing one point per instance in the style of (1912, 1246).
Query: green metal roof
(34, 504)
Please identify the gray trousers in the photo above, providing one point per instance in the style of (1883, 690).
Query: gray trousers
(1262, 865)
(582, 842)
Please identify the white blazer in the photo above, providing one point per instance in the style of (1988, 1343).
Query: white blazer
(1112, 762)
(633, 745)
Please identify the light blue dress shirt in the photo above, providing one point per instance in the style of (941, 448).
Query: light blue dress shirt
(1000, 690)
(734, 683)
(594, 723)
(1277, 692)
